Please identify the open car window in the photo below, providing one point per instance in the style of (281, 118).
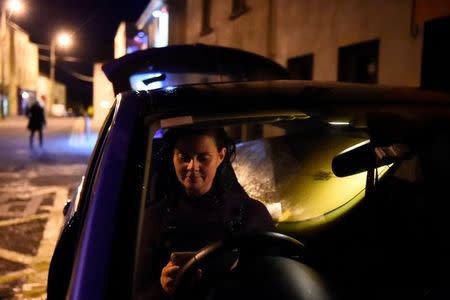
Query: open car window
(302, 167)
(288, 169)
(286, 164)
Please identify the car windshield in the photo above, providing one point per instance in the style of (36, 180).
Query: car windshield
(291, 171)
(284, 164)
(287, 165)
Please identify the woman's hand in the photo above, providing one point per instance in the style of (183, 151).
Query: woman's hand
(167, 278)
(168, 274)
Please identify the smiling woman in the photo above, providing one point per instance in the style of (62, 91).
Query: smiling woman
(200, 198)
(196, 159)
(203, 186)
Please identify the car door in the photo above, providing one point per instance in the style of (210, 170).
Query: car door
(104, 254)
(61, 265)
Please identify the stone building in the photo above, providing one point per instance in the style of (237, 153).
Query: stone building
(57, 107)
(103, 95)
(19, 67)
(127, 39)
(402, 42)
(20, 81)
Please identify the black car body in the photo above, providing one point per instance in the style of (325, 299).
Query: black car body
(384, 234)
(187, 64)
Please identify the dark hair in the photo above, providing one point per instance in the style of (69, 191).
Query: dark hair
(219, 135)
(225, 179)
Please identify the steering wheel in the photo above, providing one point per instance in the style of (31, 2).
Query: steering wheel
(256, 243)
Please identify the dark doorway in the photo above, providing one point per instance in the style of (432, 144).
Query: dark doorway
(436, 55)
(301, 67)
(359, 62)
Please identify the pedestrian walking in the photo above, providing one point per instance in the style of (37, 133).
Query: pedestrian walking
(36, 122)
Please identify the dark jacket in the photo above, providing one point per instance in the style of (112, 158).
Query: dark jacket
(36, 117)
(190, 224)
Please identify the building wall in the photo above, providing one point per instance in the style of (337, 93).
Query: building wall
(177, 22)
(10, 81)
(43, 90)
(5, 56)
(150, 29)
(60, 94)
(5, 68)
(154, 26)
(43, 93)
(318, 27)
(26, 61)
(29, 65)
(321, 27)
(426, 10)
(249, 31)
(21, 65)
(103, 94)
(120, 44)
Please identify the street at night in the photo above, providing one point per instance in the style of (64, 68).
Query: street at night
(224, 149)
(34, 186)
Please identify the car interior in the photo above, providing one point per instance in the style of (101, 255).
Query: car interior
(357, 210)
(360, 209)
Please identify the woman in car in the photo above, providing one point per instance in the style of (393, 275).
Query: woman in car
(199, 201)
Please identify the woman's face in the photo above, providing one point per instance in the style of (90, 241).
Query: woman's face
(196, 159)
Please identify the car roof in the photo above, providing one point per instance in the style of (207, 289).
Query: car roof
(196, 58)
(324, 99)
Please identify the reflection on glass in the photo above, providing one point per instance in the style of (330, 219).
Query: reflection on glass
(292, 175)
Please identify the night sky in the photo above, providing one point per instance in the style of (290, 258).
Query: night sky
(94, 24)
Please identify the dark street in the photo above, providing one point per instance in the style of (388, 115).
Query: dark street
(319, 124)
(34, 186)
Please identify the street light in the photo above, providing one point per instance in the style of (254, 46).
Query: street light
(63, 40)
(15, 6)
(11, 7)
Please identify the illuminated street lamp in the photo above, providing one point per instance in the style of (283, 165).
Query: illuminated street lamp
(15, 6)
(62, 40)
(10, 8)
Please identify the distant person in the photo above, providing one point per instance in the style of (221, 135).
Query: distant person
(87, 124)
(36, 122)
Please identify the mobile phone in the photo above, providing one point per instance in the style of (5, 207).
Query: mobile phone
(181, 258)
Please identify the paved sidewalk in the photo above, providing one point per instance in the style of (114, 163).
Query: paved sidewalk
(34, 186)
(31, 282)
